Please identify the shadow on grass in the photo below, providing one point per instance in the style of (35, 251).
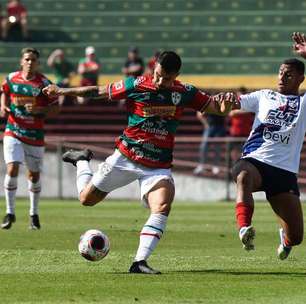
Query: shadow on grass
(240, 273)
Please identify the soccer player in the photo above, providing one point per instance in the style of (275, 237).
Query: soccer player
(26, 107)
(271, 154)
(144, 151)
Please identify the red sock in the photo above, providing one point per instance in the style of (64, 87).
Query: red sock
(244, 213)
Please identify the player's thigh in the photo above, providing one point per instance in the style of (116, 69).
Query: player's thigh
(245, 172)
(33, 157)
(12, 150)
(160, 197)
(288, 208)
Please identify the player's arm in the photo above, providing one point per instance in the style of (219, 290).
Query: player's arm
(5, 105)
(222, 104)
(95, 92)
(299, 44)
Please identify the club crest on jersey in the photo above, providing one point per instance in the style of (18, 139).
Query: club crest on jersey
(139, 80)
(35, 91)
(176, 98)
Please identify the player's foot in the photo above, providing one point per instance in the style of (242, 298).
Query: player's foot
(142, 267)
(34, 222)
(283, 251)
(247, 236)
(73, 156)
(8, 220)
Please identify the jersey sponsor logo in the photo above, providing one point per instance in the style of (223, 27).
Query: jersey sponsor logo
(176, 98)
(280, 118)
(276, 137)
(22, 100)
(153, 128)
(162, 111)
(188, 87)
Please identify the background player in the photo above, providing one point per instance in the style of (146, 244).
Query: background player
(144, 151)
(26, 107)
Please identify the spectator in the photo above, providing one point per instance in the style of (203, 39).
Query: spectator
(88, 69)
(63, 70)
(134, 65)
(151, 63)
(214, 126)
(240, 125)
(16, 15)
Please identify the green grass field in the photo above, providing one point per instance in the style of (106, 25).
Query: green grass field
(200, 257)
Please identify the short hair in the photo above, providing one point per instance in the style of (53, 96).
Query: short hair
(170, 61)
(30, 50)
(297, 64)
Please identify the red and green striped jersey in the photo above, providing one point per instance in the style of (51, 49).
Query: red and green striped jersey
(21, 124)
(153, 117)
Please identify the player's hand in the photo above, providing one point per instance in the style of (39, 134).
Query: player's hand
(299, 44)
(4, 111)
(226, 102)
(51, 90)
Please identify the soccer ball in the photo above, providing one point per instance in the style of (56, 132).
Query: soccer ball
(94, 245)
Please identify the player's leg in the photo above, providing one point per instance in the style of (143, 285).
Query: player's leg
(159, 199)
(34, 188)
(248, 180)
(287, 207)
(10, 188)
(13, 156)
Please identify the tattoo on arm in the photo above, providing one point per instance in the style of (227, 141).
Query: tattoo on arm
(95, 92)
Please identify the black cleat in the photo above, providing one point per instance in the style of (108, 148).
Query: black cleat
(73, 156)
(34, 223)
(8, 220)
(142, 267)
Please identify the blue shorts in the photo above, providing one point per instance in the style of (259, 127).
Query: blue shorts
(275, 180)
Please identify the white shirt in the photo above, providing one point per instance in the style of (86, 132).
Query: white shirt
(278, 130)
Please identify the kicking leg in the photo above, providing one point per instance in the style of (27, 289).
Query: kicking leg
(34, 187)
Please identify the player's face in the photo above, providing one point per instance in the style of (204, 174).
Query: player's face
(289, 80)
(161, 79)
(29, 63)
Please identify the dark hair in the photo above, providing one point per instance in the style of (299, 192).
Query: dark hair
(30, 50)
(170, 62)
(297, 64)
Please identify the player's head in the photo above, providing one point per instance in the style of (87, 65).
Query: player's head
(166, 70)
(290, 76)
(29, 60)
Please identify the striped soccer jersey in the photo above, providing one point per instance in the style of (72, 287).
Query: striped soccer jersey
(153, 118)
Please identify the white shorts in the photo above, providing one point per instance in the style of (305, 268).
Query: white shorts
(15, 150)
(118, 171)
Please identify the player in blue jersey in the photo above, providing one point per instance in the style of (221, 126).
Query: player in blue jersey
(271, 154)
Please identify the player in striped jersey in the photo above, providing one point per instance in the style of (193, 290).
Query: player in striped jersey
(25, 106)
(271, 155)
(155, 105)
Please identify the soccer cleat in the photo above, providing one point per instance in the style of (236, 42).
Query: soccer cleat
(283, 251)
(8, 220)
(142, 267)
(34, 222)
(247, 236)
(73, 156)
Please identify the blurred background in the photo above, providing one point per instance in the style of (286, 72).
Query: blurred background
(234, 45)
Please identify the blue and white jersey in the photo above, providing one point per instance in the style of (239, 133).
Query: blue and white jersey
(278, 130)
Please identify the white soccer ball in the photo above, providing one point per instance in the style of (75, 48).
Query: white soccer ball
(94, 245)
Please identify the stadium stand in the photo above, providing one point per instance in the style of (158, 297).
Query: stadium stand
(213, 37)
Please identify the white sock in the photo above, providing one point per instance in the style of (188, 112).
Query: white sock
(150, 235)
(84, 174)
(34, 193)
(10, 188)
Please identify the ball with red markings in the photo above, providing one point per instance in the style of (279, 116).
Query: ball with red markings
(94, 245)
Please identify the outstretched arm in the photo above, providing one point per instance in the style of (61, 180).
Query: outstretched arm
(97, 92)
(222, 104)
(299, 44)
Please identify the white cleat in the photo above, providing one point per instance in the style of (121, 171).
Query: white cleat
(282, 250)
(247, 236)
